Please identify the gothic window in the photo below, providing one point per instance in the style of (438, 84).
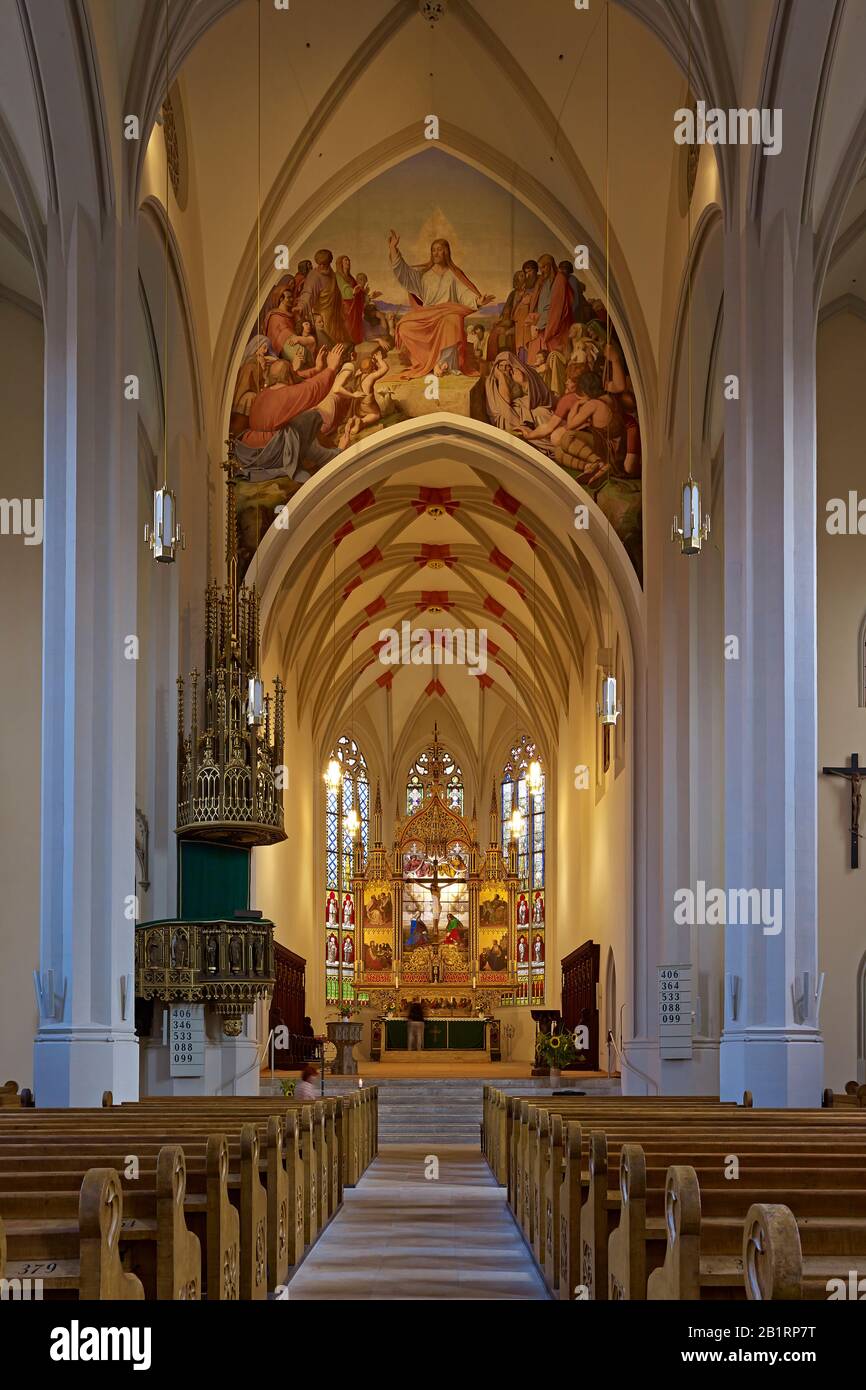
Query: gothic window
(353, 792)
(517, 792)
(418, 782)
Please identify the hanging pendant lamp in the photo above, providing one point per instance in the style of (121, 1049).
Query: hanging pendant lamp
(163, 534)
(695, 527)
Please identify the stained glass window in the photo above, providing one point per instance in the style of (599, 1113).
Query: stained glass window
(418, 782)
(515, 792)
(340, 929)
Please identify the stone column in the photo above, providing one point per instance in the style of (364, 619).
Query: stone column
(770, 691)
(86, 1041)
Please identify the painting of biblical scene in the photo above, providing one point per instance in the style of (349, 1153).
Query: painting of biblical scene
(433, 288)
(435, 932)
(378, 953)
(492, 954)
(378, 906)
(493, 907)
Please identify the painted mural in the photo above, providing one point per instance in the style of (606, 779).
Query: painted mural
(433, 289)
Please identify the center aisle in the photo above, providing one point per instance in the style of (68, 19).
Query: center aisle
(401, 1235)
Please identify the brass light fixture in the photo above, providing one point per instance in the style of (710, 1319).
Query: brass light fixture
(256, 703)
(516, 824)
(534, 778)
(608, 711)
(332, 775)
(163, 534)
(695, 528)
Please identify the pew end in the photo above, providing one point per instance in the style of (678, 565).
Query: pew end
(772, 1255)
(680, 1276)
(100, 1218)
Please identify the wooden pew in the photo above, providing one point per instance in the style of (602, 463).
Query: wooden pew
(637, 1245)
(314, 1143)
(705, 1241)
(90, 1265)
(854, 1098)
(236, 1261)
(530, 1171)
(775, 1267)
(758, 1148)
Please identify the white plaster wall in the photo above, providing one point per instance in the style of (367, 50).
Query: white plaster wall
(841, 363)
(21, 349)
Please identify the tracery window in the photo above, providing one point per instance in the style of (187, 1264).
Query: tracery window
(353, 792)
(518, 792)
(418, 782)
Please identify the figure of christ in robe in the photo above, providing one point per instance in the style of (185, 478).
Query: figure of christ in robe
(433, 332)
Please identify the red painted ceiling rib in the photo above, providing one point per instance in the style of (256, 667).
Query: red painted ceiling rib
(363, 500)
(371, 557)
(503, 499)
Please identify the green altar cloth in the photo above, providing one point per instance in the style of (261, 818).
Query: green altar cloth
(440, 1035)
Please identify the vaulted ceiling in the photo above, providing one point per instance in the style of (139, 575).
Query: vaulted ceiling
(465, 553)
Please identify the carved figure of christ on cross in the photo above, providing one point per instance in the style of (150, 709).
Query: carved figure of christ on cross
(855, 775)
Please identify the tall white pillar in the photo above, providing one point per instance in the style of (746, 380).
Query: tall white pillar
(86, 1041)
(768, 1047)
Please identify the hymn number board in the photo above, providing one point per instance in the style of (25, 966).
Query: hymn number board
(675, 1012)
(187, 1040)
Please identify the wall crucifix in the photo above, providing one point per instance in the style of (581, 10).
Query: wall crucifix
(855, 775)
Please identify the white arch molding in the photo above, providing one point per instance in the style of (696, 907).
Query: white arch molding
(526, 474)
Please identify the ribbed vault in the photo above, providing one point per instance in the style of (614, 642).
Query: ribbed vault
(448, 542)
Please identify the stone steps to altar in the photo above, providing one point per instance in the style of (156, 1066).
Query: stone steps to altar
(444, 1110)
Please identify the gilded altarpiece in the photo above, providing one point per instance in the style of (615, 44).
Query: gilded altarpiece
(438, 913)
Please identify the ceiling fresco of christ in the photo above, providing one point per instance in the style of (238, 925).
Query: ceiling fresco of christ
(430, 289)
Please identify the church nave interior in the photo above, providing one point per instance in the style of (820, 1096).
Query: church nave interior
(414, 847)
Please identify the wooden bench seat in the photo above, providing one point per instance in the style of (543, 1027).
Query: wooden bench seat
(637, 1246)
(777, 1266)
(162, 1223)
(700, 1224)
(244, 1187)
(595, 1179)
(80, 1238)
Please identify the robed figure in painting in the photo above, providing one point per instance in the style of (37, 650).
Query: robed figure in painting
(433, 333)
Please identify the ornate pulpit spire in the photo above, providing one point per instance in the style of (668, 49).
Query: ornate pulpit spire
(230, 766)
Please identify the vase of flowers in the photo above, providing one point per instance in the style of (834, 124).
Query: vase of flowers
(556, 1050)
(345, 1009)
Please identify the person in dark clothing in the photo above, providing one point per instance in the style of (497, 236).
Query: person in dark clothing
(415, 1026)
